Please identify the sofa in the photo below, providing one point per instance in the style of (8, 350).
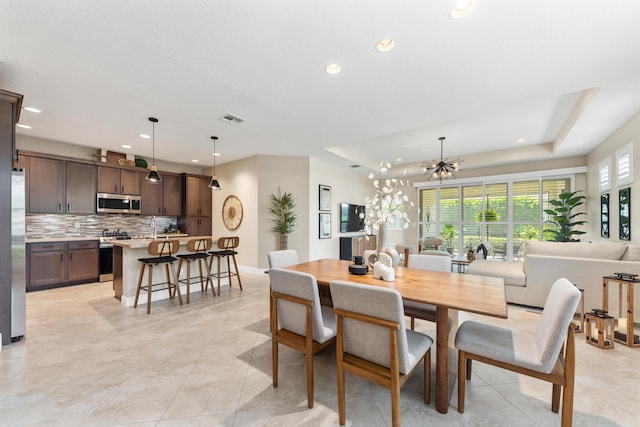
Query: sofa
(583, 263)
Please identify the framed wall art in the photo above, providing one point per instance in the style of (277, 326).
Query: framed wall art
(604, 215)
(324, 203)
(324, 226)
(624, 199)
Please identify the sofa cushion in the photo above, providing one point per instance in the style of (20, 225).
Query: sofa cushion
(597, 250)
(511, 272)
(434, 252)
(632, 253)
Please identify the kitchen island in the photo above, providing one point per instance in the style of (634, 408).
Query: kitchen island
(126, 270)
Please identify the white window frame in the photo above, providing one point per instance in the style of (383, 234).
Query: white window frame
(624, 165)
(604, 169)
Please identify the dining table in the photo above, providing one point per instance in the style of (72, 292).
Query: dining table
(449, 292)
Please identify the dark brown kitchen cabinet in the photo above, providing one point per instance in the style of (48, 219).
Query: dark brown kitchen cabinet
(60, 186)
(164, 198)
(196, 206)
(115, 180)
(55, 264)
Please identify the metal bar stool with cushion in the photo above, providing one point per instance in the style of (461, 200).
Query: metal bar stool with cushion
(162, 251)
(197, 248)
(543, 355)
(227, 249)
(298, 320)
(424, 262)
(373, 343)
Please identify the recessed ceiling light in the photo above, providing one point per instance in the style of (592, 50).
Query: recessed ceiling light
(145, 136)
(462, 9)
(23, 126)
(195, 160)
(521, 140)
(333, 69)
(385, 45)
(33, 109)
(125, 146)
(398, 160)
(215, 154)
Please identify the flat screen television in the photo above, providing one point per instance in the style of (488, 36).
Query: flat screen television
(350, 220)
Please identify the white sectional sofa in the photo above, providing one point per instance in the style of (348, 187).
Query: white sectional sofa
(583, 263)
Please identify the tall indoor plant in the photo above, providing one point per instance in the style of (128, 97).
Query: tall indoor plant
(563, 217)
(282, 207)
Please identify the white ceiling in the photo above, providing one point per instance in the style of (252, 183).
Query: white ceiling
(511, 70)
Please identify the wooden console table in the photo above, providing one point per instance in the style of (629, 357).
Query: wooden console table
(624, 331)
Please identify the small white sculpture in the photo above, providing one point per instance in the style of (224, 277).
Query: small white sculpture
(383, 269)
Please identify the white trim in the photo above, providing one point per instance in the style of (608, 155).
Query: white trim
(624, 165)
(550, 173)
(604, 174)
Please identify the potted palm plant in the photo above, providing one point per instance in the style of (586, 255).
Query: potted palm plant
(282, 208)
(562, 217)
(448, 233)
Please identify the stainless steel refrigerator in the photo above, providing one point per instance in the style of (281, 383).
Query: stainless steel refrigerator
(18, 258)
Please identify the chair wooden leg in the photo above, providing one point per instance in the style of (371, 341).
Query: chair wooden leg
(310, 379)
(395, 380)
(179, 270)
(149, 288)
(201, 276)
(427, 377)
(188, 280)
(413, 323)
(555, 398)
(235, 264)
(166, 272)
(569, 375)
(462, 367)
(218, 274)
(468, 369)
(135, 302)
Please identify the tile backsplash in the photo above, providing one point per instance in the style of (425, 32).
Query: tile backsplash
(42, 225)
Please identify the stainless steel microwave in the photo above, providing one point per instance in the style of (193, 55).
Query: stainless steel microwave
(118, 203)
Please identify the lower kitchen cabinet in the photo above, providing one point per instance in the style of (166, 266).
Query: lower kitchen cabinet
(56, 264)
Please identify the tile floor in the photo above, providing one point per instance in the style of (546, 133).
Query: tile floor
(87, 361)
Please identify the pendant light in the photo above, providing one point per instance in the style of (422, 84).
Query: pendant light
(441, 169)
(153, 177)
(214, 184)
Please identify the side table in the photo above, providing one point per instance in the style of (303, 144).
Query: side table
(461, 261)
(625, 330)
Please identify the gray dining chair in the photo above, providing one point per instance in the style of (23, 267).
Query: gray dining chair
(417, 310)
(283, 258)
(373, 343)
(298, 320)
(543, 355)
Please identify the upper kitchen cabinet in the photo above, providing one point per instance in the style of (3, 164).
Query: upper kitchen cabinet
(60, 186)
(117, 180)
(164, 198)
(196, 210)
(197, 198)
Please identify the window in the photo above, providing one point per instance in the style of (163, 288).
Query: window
(624, 165)
(501, 215)
(604, 169)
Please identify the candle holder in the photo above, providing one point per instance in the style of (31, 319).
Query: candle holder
(599, 329)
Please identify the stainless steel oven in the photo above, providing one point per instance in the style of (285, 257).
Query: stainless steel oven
(118, 203)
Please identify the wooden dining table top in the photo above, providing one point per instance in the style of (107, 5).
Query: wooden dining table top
(465, 292)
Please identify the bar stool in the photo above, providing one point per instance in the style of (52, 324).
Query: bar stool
(227, 246)
(162, 251)
(198, 248)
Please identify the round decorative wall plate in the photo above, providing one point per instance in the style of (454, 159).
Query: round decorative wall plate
(232, 212)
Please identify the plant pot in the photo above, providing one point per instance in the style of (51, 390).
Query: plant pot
(284, 240)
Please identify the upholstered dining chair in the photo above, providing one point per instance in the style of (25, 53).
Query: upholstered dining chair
(549, 354)
(373, 343)
(298, 320)
(282, 258)
(424, 262)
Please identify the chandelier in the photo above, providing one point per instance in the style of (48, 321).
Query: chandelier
(440, 169)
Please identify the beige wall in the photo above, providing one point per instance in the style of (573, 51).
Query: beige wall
(347, 186)
(629, 132)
